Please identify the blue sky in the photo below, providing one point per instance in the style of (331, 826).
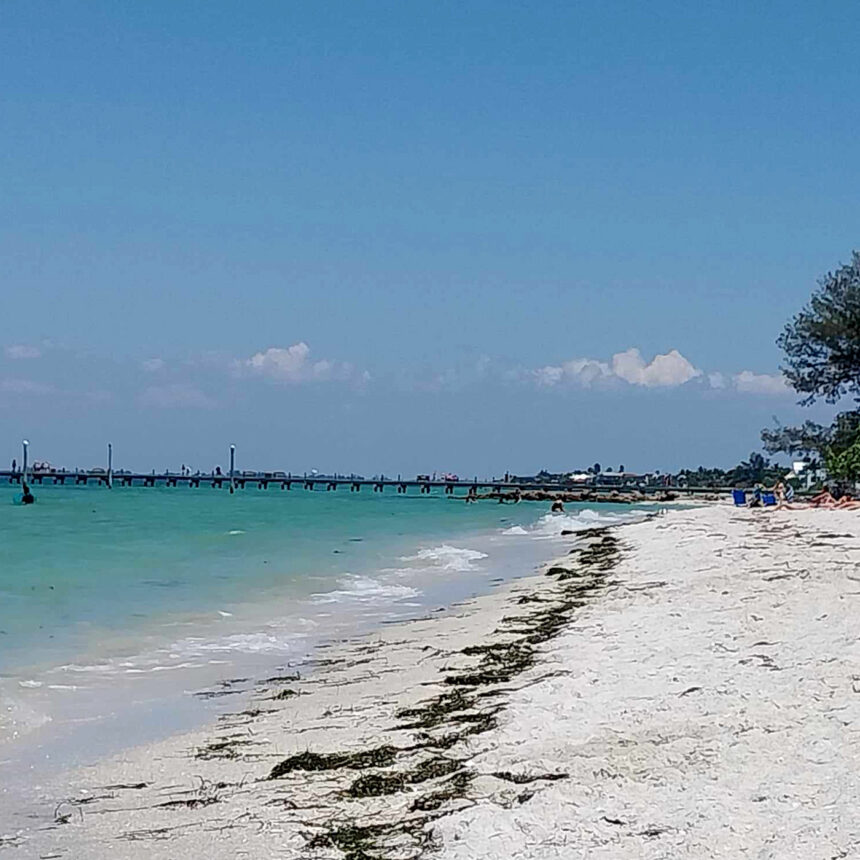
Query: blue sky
(409, 237)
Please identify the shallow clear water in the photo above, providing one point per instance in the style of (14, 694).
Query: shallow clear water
(116, 606)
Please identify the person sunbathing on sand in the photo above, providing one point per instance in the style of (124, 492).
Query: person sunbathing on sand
(823, 500)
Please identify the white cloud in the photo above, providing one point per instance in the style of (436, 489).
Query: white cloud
(579, 371)
(24, 386)
(549, 375)
(663, 371)
(151, 365)
(667, 370)
(293, 364)
(22, 350)
(586, 371)
(716, 380)
(175, 396)
(761, 383)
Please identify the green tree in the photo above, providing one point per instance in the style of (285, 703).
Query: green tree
(756, 470)
(822, 342)
(822, 361)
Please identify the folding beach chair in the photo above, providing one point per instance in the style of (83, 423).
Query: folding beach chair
(740, 498)
(768, 499)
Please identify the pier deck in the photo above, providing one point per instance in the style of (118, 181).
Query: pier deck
(263, 480)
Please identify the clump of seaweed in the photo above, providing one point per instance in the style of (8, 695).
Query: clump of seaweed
(354, 840)
(282, 679)
(436, 711)
(376, 784)
(452, 789)
(284, 694)
(373, 841)
(524, 778)
(500, 661)
(530, 598)
(381, 756)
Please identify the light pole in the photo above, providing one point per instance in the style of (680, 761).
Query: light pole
(232, 464)
(26, 446)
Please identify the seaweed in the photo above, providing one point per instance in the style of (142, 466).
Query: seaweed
(354, 840)
(500, 661)
(282, 679)
(436, 710)
(376, 784)
(190, 803)
(524, 778)
(284, 694)
(452, 789)
(455, 715)
(381, 756)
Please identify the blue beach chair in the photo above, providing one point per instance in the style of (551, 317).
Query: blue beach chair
(740, 498)
(768, 499)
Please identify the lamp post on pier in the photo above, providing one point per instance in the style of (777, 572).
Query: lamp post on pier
(26, 447)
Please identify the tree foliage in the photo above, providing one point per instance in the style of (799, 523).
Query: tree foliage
(822, 342)
(755, 470)
(822, 361)
(809, 440)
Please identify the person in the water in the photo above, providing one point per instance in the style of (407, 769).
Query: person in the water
(27, 498)
(557, 507)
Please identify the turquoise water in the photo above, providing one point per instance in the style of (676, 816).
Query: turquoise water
(83, 562)
(117, 606)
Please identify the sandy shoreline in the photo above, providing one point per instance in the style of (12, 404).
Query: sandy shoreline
(684, 687)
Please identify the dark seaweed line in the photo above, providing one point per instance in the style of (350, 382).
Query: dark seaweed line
(455, 715)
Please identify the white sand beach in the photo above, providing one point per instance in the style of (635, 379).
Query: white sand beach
(686, 687)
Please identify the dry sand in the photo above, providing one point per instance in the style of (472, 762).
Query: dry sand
(687, 687)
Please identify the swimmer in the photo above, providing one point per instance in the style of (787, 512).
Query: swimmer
(557, 507)
(27, 498)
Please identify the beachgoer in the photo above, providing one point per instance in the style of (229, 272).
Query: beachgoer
(824, 499)
(784, 496)
(557, 507)
(755, 501)
(27, 497)
(14, 465)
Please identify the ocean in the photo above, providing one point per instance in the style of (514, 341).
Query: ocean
(129, 614)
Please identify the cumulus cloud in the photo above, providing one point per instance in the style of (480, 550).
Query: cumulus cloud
(175, 396)
(668, 370)
(293, 364)
(24, 386)
(22, 350)
(761, 383)
(151, 365)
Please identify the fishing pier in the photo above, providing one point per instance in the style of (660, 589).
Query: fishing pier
(262, 481)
